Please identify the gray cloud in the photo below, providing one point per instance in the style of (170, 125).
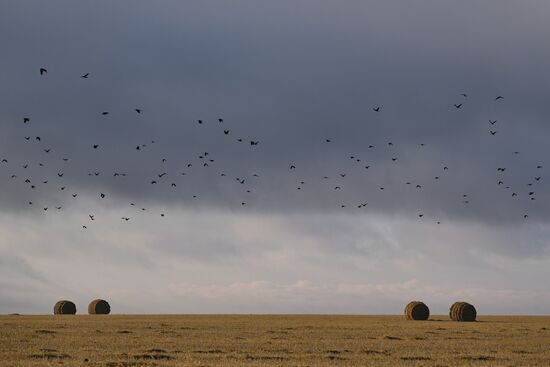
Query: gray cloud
(289, 75)
(190, 261)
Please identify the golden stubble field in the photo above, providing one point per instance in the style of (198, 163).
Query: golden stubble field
(289, 340)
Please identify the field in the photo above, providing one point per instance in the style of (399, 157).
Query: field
(293, 340)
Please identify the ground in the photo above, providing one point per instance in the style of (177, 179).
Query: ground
(289, 340)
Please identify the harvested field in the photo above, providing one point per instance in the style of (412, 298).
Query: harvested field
(216, 340)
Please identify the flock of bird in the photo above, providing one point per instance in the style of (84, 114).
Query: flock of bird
(206, 160)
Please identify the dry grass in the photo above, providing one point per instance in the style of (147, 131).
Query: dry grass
(124, 341)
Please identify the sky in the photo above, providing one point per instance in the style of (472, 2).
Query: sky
(383, 166)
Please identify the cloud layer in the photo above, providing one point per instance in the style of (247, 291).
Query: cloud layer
(245, 227)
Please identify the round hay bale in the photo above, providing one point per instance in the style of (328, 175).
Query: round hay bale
(417, 310)
(462, 311)
(64, 307)
(99, 307)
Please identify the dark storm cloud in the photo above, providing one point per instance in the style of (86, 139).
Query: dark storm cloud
(289, 75)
